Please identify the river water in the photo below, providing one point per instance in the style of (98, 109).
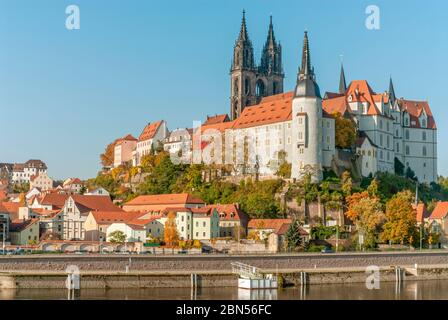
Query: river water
(409, 290)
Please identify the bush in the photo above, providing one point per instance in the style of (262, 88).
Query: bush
(314, 248)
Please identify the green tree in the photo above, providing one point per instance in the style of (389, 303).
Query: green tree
(293, 238)
(117, 237)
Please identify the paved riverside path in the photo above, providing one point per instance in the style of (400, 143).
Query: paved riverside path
(219, 263)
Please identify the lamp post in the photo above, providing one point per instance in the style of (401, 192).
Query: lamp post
(3, 238)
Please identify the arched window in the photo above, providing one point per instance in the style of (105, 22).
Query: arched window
(247, 86)
(424, 136)
(407, 150)
(407, 134)
(235, 87)
(424, 150)
(259, 89)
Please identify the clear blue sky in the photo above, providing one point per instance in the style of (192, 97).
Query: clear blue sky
(64, 95)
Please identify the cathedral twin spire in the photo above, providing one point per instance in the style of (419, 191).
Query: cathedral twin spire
(271, 62)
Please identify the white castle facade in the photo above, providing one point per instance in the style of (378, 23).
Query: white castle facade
(272, 126)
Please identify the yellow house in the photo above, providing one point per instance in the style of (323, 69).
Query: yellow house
(24, 232)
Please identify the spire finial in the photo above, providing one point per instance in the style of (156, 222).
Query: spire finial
(342, 82)
(306, 83)
(392, 96)
(305, 68)
(243, 32)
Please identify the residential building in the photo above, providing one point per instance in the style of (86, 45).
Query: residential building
(22, 172)
(160, 202)
(98, 222)
(179, 142)
(73, 185)
(97, 192)
(151, 136)
(262, 228)
(367, 151)
(41, 181)
(192, 223)
(4, 222)
(231, 219)
(277, 240)
(123, 150)
(23, 232)
(438, 221)
(133, 233)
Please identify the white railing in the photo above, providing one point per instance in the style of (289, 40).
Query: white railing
(246, 271)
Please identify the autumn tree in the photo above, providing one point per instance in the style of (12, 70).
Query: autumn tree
(345, 131)
(107, 158)
(347, 184)
(370, 218)
(401, 223)
(171, 235)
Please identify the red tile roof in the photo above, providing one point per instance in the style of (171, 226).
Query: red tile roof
(54, 199)
(125, 138)
(10, 207)
(179, 198)
(150, 130)
(109, 217)
(421, 212)
(336, 105)
(415, 108)
(359, 91)
(96, 203)
(273, 224)
(216, 119)
(272, 109)
(230, 212)
(440, 211)
(19, 225)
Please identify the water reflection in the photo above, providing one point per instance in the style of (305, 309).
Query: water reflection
(407, 290)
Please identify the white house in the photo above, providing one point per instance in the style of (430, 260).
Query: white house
(192, 223)
(151, 135)
(134, 233)
(22, 172)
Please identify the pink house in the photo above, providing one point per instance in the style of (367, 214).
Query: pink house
(124, 149)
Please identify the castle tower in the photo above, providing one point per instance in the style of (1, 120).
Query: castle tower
(250, 83)
(307, 121)
(271, 69)
(243, 73)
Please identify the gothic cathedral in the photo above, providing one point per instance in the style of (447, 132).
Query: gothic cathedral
(251, 82)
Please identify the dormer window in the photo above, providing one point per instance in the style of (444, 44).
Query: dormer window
(423, 123)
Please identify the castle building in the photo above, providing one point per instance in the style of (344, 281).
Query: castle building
(400, 132)
(299, 127)
(251, 82)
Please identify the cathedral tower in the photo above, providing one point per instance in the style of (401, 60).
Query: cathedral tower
(249, 82)
(242, 73)
(307, 121)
